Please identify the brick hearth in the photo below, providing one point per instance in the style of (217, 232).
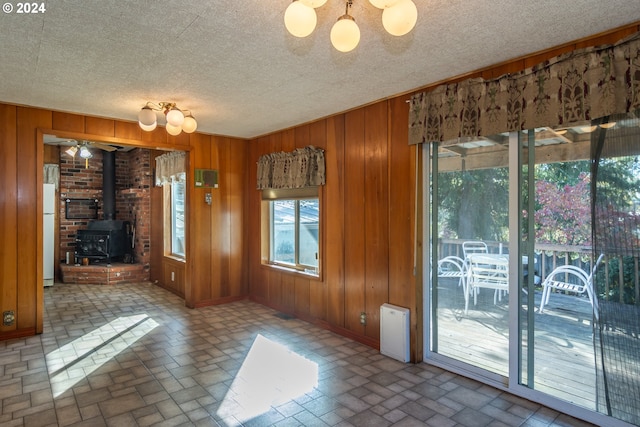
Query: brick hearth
(103, 274)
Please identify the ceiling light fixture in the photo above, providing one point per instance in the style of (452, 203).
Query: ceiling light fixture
(398, 18)
(177, 120)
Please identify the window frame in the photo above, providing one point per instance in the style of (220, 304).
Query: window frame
(169, 220)
(267, 232)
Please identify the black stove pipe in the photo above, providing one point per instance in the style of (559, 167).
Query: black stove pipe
(109, 185)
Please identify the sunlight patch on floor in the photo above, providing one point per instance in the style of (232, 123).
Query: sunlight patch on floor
(271, 375)
(78, 359)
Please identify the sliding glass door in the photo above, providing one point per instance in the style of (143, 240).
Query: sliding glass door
(517, 285)
(470, 312)
(556, 335)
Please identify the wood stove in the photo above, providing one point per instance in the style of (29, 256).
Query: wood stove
(104, 240)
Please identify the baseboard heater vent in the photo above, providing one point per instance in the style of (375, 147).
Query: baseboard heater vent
(394, 332)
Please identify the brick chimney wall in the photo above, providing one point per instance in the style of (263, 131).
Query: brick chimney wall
(133, 196)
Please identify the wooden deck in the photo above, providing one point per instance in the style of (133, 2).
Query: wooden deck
(563, 340)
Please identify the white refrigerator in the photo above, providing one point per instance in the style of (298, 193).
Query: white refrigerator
(48, 232)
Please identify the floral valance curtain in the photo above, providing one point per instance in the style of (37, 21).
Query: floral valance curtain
(51, 174)
(577, 86)
(170, 167)
(303, 167)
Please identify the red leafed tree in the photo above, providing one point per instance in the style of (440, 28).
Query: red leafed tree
(563, 212)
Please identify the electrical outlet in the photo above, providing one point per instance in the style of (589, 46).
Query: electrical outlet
(8, 317)
(363, 318)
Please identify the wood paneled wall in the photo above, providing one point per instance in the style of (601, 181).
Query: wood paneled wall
(367, 223)
(215, 246)
(370, 253)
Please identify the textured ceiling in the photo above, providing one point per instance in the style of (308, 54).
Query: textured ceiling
(234, 65)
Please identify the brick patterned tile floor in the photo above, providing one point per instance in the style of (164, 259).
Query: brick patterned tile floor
(133, 355)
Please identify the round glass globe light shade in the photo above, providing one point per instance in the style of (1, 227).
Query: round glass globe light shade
(173, 130)
(147, 116)
(399, 19)
(383, 4)
(189, 125)
(313, 3)
(148, 128)
(175, 117)
(345, 35)
(300, 19)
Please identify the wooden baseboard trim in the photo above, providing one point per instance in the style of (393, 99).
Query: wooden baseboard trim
(19, 333)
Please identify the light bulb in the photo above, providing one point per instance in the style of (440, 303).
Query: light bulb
(173, 130)
(345, 34)
(146, 116)
(300, 19)
(189, 125)
(85, 153)
(148, 128)
(175, 117)
(399, 19)
(383, 4)
(313, 3)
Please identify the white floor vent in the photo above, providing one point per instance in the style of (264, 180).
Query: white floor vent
(394, 332)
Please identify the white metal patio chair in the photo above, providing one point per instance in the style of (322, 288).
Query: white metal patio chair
(573, 279)
(489, 271)
(474, 247)
(452, 267)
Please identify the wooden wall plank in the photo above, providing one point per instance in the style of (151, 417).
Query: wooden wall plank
(288, 300)
(318, 289)
(402, 184)
(376, 218)
(302, 301)
(288, 140)
(182, 140)
(67, 122)
(99, 126)
(237, 176)
(200, 245)
(332, 227)
(156, 136)
(8, 213)
(51, 154)
(217, 237)
(127, 130)
(224, 208)
(29, 250)
(354, 224)
(257, 274)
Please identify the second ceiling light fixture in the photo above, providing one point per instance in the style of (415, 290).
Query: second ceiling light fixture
(177, 120)
(398, 18)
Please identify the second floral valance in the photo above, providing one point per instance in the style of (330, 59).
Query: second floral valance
(303, 167)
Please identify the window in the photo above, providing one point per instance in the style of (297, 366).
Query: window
(291, 225)
(174, 217)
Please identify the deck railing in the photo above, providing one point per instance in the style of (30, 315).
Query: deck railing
(618, 277)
